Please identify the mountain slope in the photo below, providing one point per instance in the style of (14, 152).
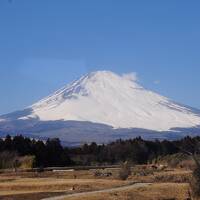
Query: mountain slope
(104, 97)
(109, 99)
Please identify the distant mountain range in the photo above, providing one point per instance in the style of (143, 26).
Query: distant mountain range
(103, 106)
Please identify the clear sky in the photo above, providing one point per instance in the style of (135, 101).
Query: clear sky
(44, 44)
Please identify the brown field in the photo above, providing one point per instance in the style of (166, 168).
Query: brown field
(166, 184)
(161, 191)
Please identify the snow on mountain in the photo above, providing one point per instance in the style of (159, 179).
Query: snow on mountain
(119, 101)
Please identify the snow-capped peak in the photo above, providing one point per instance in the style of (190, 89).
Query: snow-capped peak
(107, 98)
(87, 85)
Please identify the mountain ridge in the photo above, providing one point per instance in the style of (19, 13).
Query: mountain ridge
(104, 99)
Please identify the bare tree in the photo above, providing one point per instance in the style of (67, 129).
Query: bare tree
(195, 182)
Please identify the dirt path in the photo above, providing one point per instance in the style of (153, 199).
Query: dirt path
(116, 189)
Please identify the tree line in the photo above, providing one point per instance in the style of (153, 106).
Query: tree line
(46, 154)
(51, 153)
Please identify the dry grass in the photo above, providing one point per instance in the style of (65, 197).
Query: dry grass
(161, 191)
(48, 184)
(175, 176)
(34, 186)
(168, 175)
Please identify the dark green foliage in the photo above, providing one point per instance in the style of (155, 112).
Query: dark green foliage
(8, 159)
(138, 151)
(55, 154)
(47, 154)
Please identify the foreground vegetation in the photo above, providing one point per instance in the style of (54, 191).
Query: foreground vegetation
(161, 191)
(165, 184)
(172, 168)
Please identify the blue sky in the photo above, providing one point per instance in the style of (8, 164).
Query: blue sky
(45, 44)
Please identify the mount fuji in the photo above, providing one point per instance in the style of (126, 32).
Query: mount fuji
(103, 106)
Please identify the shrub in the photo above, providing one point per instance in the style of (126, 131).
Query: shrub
(8, 160)
(27, 162)
(195, 183)
(187, 164)
(125, 171)
(97, 173)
